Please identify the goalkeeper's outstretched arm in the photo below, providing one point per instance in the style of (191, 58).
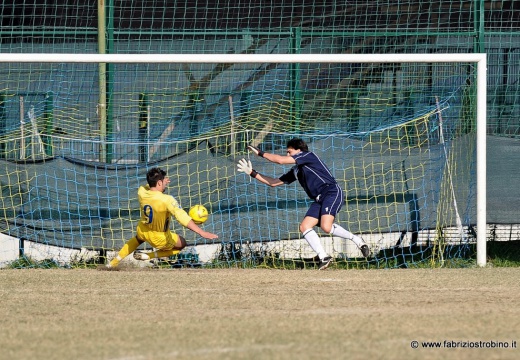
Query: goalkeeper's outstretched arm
(246, 167)
(274, 158)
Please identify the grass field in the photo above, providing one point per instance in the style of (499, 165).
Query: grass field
(137, 314)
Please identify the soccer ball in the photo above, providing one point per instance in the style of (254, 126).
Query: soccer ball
(199, 214)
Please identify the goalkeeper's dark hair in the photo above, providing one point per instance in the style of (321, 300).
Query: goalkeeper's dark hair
(153, 175)
(297, 144)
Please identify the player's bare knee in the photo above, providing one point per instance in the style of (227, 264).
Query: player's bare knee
(327, 228)
(181, 244)
(304, 228)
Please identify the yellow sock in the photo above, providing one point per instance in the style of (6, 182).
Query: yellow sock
(126, 250)
(162, 253)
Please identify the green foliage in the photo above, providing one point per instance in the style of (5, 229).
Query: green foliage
(26, 262)
(88, 260)
(504, 253)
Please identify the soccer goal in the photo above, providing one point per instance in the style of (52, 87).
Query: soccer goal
(404, 135)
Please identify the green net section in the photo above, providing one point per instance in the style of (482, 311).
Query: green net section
(283, 27)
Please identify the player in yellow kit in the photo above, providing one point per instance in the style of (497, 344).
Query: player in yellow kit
(154, 225)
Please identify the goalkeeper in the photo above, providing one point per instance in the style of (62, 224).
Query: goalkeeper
(319, 184)
(154, 225)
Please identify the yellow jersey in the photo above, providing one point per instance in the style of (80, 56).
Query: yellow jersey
(157, 209)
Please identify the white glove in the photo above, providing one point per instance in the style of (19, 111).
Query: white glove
(256, 150)
(245, 166)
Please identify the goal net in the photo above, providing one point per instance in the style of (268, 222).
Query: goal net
(399, 133)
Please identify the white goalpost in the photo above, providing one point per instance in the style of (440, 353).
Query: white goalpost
(478, 58)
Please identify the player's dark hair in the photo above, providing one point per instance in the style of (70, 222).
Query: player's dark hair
(153, 175)
(297, 144)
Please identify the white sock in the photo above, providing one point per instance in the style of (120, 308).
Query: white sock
(345, 234)
(314, 241)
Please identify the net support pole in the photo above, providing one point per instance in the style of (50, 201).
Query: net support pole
(102, 104)
(232, 118)
(144, 128)
(3, 125)
(22, 129)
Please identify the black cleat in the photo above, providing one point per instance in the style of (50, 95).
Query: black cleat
(365, 250)
(327, 260)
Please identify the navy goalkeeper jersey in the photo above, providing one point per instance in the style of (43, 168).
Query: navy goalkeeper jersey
(312, 174)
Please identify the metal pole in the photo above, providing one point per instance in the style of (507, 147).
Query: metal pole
(22, 130)
(102, 103)
(481, 161)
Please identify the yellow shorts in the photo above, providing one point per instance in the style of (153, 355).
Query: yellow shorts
(158, 239)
